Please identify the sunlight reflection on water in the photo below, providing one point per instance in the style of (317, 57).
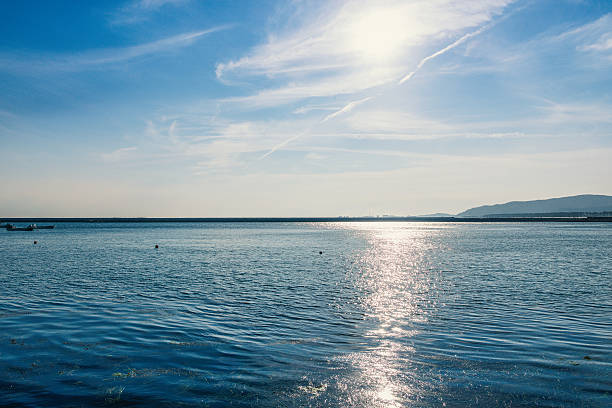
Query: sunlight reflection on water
(396, 279)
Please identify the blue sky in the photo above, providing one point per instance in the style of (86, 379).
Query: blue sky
(301, 108)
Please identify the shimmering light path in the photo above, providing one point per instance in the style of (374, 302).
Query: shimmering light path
(390, 314)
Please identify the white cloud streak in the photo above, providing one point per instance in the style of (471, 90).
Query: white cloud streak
(595, 36)
(102, 57)
(119, 154)
(598, 35)
(138, 11)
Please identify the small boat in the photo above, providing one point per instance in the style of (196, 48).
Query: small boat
(45, 227)
(34, 226)
(31, 227)
(11, 227)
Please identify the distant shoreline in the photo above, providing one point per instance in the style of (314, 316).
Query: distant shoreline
(308, 219)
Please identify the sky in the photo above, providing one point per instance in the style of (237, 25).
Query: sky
(203, 108)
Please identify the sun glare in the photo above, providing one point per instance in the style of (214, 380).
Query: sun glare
(377, 35)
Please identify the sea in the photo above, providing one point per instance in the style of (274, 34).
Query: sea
(319, 314)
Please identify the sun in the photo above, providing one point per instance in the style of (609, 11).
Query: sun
(377, 35)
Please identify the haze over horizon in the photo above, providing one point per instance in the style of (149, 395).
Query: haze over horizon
(185, 108)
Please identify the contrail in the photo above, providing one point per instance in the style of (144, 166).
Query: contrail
(278, 146)
(443, 50)
(347, 108)
(458, 42)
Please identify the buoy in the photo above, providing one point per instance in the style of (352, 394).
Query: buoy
(156, 246)
(320, 252)
(35, 242)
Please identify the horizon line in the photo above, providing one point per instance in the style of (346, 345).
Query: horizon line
(509, 218)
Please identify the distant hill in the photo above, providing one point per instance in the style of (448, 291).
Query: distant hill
(585, 203)
(437, 215)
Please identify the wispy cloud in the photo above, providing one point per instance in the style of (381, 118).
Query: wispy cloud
(603, 44)
(576, 113)
(595, 36)
(7, 114)
(352, 47)
(118, 154)
(137, 11)
(93, 59)
(325, 87)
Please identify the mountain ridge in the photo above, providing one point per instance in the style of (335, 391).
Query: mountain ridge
(583, 203)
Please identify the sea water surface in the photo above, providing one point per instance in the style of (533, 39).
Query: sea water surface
(252, 314)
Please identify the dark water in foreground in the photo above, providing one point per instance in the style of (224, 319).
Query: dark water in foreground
(391, 314)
